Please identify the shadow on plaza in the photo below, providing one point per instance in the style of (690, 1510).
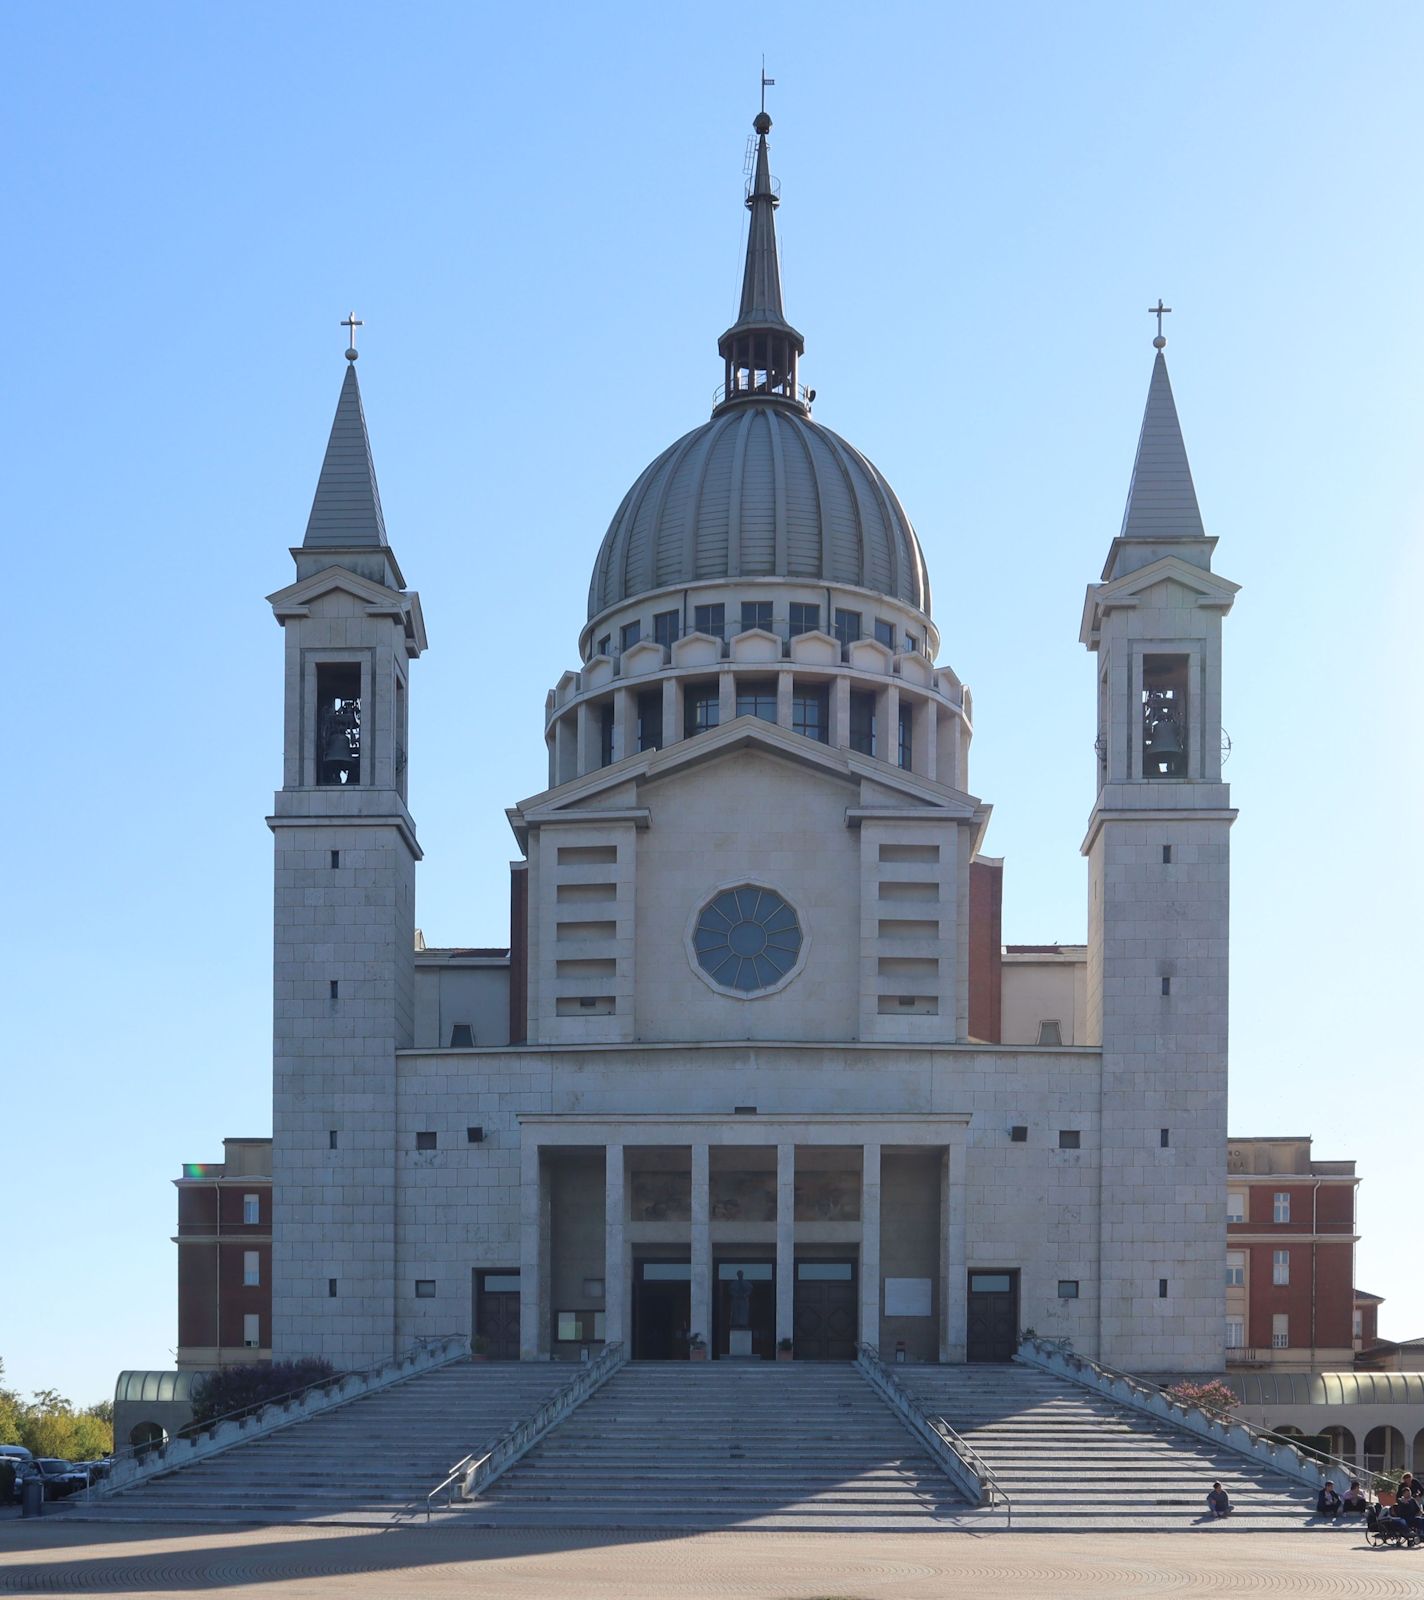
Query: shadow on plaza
(237, 1556)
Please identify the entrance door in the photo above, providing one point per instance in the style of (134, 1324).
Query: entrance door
(825, 1311)
(497, 1315)
(993, 1316)
(744, 1302)
(662, 1309)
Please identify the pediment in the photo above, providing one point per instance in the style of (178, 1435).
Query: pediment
(404, 605)
(1210, 591)
(622, 788)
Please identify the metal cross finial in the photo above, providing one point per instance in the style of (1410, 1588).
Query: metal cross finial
(351, 322)
(766, 83)
(1159, 311)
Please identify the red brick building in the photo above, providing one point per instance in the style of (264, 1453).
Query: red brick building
(224, 1244)
(1290, 1257)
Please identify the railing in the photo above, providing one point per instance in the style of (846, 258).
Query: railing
(759, 391)
(966, 1468)
(476, 1471)
(1310, 1466)
(450, 1347)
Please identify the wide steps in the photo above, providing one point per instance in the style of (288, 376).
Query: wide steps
(374, 1458)
(716, 1445)
(1070, 1459)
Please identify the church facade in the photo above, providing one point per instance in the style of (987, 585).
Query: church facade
(752, 1077)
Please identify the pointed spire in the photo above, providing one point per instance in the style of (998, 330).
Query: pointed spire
(1161, 499)
(761, 277)
(761, 348)
(346, 513)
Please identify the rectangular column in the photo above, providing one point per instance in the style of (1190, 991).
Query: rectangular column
(840, 714)
(701, 1244)
(531, 1221)
(954, 1296)
(870, 1245)
(726, 697)
(615, 1264)
(783, 699)
(785, 1241)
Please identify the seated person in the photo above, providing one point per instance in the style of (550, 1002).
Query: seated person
(1403, 1517)
(1218, 1501)
(1354, 1504)
(1328, 1502)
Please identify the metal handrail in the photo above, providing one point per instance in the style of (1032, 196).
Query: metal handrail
(523, 1434)
(140, 1452)
(991, 1490)
(1221, 1414)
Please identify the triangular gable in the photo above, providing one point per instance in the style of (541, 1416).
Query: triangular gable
(295, 600)
(1211, 590)
(847, 766)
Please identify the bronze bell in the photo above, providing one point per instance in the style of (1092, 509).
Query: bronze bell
(337, 745)
(1163, 738)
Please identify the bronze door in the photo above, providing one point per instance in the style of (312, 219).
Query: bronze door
(497, 1316)
(826, 1316)
(993, 1332)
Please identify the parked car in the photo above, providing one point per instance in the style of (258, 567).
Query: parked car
(60, 1478)
(13, 1459)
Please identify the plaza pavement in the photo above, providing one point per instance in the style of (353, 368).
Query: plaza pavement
(293, 1563)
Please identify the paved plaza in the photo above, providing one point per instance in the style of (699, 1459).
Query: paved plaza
(53, 1558)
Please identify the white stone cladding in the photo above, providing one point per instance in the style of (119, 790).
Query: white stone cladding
(1159, 875)
(343, 970)
(1031, 1206)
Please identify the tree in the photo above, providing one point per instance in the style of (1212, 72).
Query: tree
(250, 1386)
(1211, 1396)
(48, 1425)
(11, 1411)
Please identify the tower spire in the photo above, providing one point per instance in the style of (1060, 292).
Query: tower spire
(1161, 499)
(761, 349)
(346, 511)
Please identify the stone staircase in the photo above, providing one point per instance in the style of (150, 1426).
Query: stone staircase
(372, 1460)
(1074, 1461)
(772, 1445)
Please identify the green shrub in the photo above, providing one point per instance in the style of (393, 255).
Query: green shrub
(247, 1388)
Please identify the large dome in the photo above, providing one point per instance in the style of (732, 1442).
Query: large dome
(760, 491)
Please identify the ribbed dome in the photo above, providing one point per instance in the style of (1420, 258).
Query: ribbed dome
(760, 491)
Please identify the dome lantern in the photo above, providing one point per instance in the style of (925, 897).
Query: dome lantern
(761, 350)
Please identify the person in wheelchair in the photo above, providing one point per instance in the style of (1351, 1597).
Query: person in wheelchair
(1405, 1517)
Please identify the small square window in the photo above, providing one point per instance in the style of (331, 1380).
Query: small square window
(331, 1140)
(756, 614)
(804, 618)
(710, 619)
(1161, 1288)
(331, 1288)
(1067, 1288)
(425, 1288)
(462, 1036)
(1164, 1138)
(474, 1135)
(1069, 1139)
(425, 1141)
(335, 859)
(1018, 1134)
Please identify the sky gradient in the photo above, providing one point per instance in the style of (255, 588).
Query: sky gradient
(537, 213)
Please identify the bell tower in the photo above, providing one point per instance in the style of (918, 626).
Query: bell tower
(344, 914)
(1158, 848)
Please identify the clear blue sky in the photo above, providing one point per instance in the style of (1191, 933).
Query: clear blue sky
(537, 212)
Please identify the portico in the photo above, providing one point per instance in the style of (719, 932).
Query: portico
(796, 1202)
